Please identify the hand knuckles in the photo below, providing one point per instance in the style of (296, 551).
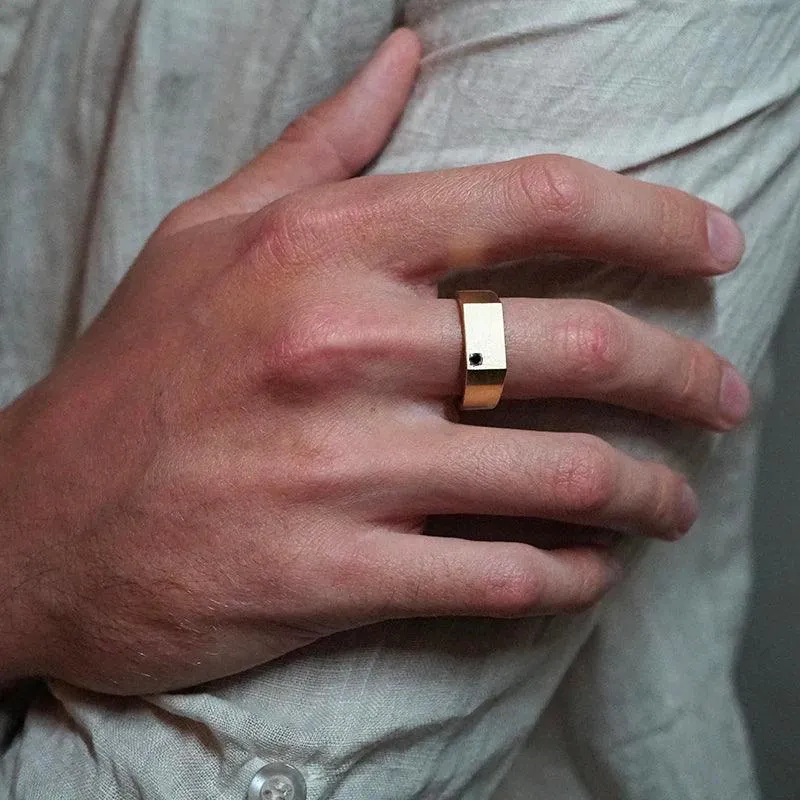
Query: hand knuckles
(307, 348)
(293, 230)
(585, 476)
(320, 471)
(594, 342)
(512, 590)
(320, 345)
(324, 464)
(552, 190)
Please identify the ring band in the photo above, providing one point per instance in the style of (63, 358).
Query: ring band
(481, 314)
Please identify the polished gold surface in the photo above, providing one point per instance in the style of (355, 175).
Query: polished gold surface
(481, 315)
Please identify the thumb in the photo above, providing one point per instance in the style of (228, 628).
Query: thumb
(332, 141)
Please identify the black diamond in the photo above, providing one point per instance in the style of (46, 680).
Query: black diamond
(475, 359)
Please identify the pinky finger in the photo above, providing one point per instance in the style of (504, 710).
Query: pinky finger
(411, 575)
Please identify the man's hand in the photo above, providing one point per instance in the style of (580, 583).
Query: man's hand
(239, 455)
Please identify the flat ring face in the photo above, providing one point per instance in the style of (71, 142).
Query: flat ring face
(484, 348)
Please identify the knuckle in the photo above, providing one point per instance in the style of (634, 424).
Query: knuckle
(324, 467)
(513, 590)
(594, 342)
(585, 476)
(320, 469)
(306, 347)
(292, 230)
(552, 189)
(318, 346)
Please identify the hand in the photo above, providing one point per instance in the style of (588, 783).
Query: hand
(238, 456)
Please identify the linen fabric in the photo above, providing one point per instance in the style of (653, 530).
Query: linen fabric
(114, 111)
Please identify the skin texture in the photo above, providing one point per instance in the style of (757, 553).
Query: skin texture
(239, 455)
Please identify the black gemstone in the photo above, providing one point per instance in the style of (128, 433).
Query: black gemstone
(475, 359)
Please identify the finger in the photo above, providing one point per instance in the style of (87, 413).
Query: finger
(423, 225)
(574, 348)
(409, 575)
(332, 141)
(576, 478)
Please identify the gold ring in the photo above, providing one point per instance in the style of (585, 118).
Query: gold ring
(481, 314)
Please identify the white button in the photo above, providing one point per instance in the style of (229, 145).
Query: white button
(277, 782)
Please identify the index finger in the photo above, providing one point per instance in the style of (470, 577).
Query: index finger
(423, 225)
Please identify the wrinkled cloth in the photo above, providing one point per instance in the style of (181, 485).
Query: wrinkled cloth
(114, 111)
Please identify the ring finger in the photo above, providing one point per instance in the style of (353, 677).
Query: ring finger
(576, 348)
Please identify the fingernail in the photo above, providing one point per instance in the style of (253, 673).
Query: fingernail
(689, 509)
(734, 397)
(725, 238)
